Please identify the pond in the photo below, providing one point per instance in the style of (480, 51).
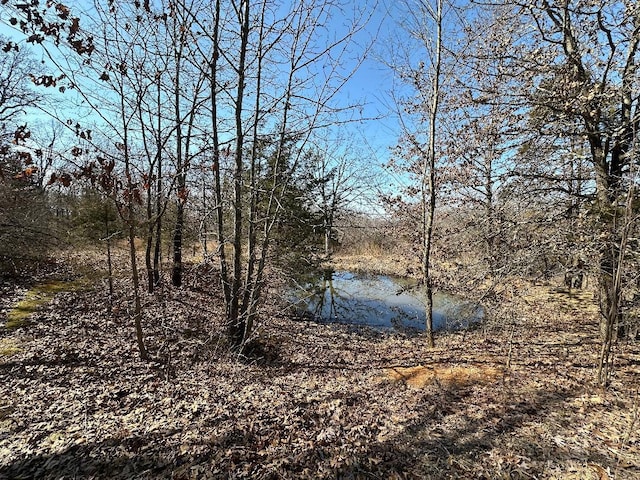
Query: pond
(379, 301)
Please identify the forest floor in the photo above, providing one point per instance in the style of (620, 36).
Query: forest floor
(515, 398)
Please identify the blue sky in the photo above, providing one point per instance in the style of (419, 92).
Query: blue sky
(369, 86)
(373, 82)
(370, 83)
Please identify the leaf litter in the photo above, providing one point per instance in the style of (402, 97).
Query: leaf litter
(314, 401)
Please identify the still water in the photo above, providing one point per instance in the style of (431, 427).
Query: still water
(379, 301)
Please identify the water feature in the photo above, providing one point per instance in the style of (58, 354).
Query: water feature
(379, 301)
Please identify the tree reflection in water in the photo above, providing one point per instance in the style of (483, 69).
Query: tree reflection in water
(379, 301)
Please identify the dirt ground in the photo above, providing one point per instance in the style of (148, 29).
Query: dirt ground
(515, 398)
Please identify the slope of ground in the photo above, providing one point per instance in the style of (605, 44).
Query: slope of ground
(514, 400)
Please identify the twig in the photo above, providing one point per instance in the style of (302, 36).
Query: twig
(109, 237)
(634, 419)
(513, 329)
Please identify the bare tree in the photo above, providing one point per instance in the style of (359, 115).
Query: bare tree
(24, 217)
(429, 169)
(424, 75)
(481, 139)
(582, 66)
(95, 59)
(339, 182)
(16, 66)
(269, 75)
(265, 68)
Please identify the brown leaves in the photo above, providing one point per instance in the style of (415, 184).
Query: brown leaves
(52, 179)
(46, 80)
(65, 179)
(183, 195)
(25, 157)
(27, 173)
(83, 46)
(10, 46)
(62, 10)
(35, 38)
(319, 411)
(38, 25)
(132, 196)
(21, 134)
(74, 28)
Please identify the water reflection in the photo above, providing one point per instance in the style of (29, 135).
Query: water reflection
(379, 301)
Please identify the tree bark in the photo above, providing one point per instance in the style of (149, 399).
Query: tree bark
(176, 272)
(429, 178)
(236, 322)
(159, 196)
(137, 312)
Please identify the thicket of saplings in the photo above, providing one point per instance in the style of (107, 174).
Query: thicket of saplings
(41, 221)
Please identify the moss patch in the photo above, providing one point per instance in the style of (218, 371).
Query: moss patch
(39, 295)
(8, 347)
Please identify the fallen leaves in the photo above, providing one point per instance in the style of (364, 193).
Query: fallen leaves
(18, 315)
(77, 402)
(449, 377)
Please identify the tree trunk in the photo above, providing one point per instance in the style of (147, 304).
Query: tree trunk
(109, 264)
(327, 241)
(148, 248)
(157, 247)
(137, 312)
(219, 212)
(610, 266)
(159, 197)
(429, 179)
(236, 322)
(176, 272)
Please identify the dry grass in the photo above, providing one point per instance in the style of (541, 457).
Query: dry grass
(373, 260)
(449, 377)
(9, 347)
